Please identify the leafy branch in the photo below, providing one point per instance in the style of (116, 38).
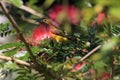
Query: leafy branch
(36, 63)
(17, 29)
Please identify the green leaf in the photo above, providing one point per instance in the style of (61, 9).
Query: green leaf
(11, 52)
(33, 2)
(110, 44)
(57, 68)
(115, 12)
(16, 3)
(10, 65)
(25, 57)
(100, 64)
(108, 2)
(35, 49)
(10, 45)
(48, 3)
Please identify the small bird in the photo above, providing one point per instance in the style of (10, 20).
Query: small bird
(54, 29)
(55, 32)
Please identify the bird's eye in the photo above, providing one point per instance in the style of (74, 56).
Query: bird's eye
(45, 20)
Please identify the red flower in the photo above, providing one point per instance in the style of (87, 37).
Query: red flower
(106, 76)
(72, 13)
(99, 20)
(55, 11)
(40, 33)
(78, 67)
(100, 17)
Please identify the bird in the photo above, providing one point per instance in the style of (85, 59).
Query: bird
(54, 29)
(56, 33)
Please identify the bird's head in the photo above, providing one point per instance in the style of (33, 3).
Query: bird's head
(47, 21)
(44, 20)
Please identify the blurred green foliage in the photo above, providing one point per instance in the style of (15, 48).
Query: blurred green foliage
(60, 57)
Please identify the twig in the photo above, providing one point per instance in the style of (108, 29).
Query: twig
(112, 67)
(111, 57)
(29, 20)
(25, 8)
(2, 57)
(91, 52)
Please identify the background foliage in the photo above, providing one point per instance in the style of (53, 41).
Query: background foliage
(60, 60)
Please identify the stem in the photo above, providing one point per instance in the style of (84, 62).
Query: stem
(2, 57)
(91, 52)
(112, 67)
(109, 30)
(111, 56)
(28, 20)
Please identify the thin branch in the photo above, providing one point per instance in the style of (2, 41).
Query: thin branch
(91, 52)
(111, 57)
(112, 67)
(25, 8)
(2, 57)
(29, 20)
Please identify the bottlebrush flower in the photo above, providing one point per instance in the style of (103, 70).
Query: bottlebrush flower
(105, 76)
(78, 67)
(40, 33)
(61, 12)
(100, 18)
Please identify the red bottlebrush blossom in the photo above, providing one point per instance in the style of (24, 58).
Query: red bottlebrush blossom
(79, 66)
(40, 33)
(55, 11)
(100, 18)
(72, 13)
(105, 76)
